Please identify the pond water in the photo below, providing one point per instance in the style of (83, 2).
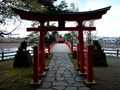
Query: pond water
(6, 47)
(9, 47)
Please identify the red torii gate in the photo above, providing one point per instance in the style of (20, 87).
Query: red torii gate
(39, 54)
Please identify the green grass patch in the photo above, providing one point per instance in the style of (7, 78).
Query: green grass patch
(74, 61)
(17, 78)
(26, 81)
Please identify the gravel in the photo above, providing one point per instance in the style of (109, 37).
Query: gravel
(107, 78)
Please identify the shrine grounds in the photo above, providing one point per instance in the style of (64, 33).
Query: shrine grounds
(107, 78)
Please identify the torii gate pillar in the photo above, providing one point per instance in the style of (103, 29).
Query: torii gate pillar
(41, 45)
(81, 45)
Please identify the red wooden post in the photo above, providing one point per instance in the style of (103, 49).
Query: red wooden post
(36, 64)
(90, 63)
(71, 47)
(78, 59)
(49, 49)
(81, 46)
(42, 47)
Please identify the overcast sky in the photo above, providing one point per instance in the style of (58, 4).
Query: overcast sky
(109, 24)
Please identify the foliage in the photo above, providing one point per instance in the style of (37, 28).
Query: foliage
(71, 36)
(52, 38)
(58, 8)
(89, 34)
(68, 37)
(73, 7)
(32, 38)
(47, 3)
(7, 15)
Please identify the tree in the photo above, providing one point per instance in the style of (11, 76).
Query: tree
(73, 7)
(7, 15)
(62, 7)
(50, 37)
(68, 37)
(32, 38)
(89, 34)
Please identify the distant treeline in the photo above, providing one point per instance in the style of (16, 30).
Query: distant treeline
(11, 40)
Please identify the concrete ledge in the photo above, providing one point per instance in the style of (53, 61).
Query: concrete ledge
(82, 74)
(35, 83)
(78, 69)
(46, 69)
(43, 74)
(90, 83)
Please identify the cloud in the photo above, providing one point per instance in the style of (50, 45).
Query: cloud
(108, 25)
(110, 22)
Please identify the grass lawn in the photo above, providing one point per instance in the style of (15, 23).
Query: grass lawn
(17, 78)
(74, 61)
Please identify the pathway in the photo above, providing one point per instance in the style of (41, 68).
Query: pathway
(62, 75)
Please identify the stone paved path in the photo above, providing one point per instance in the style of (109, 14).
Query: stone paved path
(62, 75)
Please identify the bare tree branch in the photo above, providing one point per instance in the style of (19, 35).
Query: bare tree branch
(3, 33)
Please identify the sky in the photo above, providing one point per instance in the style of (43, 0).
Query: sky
(107, 26)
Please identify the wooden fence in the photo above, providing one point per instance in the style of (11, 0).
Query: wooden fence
(8, 54)
(112, 52)
(107, 51)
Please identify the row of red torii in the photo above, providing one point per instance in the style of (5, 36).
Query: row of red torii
(39, 51)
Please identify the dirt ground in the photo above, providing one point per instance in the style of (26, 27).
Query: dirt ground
(107, 78)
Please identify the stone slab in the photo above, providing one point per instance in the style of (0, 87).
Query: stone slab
(50, 75)
(84, 88)
(60, 78)
(46, 85)
(59, 84)
(59, 88)
(49, 79)
(71, 88)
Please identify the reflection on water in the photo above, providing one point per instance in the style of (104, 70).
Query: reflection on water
(9, 47)
(6, 47)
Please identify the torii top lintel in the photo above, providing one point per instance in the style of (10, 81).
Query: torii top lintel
(68, 16)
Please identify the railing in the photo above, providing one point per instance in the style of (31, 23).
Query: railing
(88, 66)
(69, 45)
(89, 63)
(3, 54)
(112, 52)
(110, 45)
(7, 54)
(51, 46)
